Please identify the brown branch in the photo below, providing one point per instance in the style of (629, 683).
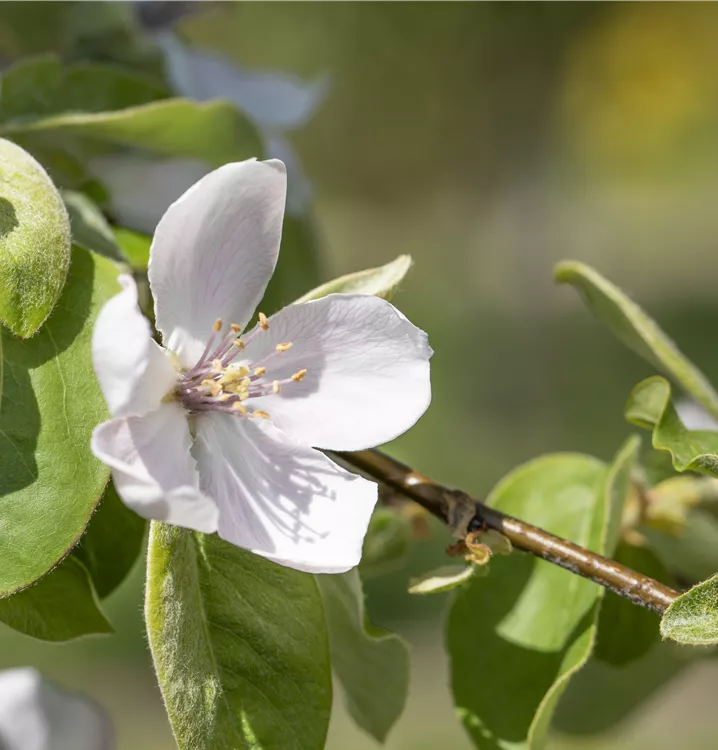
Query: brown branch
(441, 502)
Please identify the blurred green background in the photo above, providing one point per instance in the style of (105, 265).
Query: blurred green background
(488, 141)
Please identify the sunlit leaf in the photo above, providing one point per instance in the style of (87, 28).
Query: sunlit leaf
(387, 540)
(381, 282)
(371, 664)
(637, 330)
(518, 635)
(650, 406)
(34, 241)
(239, 644)
(693, 617)
(49, 480)
(59, 607)
(442, 579)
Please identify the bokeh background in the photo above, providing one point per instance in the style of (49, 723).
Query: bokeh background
(488, 141)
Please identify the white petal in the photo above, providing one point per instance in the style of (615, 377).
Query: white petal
(367, 368)
(34, 715)
(214, 252)
(154, 473)
(133, 371)
(283, 501)
(275, 101)
(162, 182)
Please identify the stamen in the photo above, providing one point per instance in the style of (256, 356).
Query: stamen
(259, 413)
(259, 371)
(284, 347)
(241, 408)
(236, 328)
(276, 387)
(298, 375)
(239, 344)
(263, 322)
(217, 325)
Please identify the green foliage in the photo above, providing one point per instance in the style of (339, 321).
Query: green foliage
(637, 331)
(49, 480)
(215, 131)
(650, 406)
(34, 241)
(239, 644)
(516, 636)
(89, 228)
(371, 664)
(693, 617)
(387, 540)
(134, 246)
(112, 543)
(625, 631)
(42, 86)
(381, 282)
(61, 606)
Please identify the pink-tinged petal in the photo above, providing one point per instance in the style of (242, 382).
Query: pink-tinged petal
(281, 500)
(134, 372)
(367, 366)
(214, 252)
(154, 473)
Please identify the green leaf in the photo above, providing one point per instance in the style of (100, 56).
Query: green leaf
(214, 131)
(59, 607)
(387, 541)
(239, 644)
(34, 241)
(625, 631)
(650, 406)
(516, 636)
(42, 86)
(637, 331)
(112, 543)
(618, 484)
(693, 617)
(135, 247)
(89, 228)
(49, 480)
(442, 579)
(371, 664)
(381, 282)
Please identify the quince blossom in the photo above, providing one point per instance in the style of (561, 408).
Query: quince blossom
(218, 431)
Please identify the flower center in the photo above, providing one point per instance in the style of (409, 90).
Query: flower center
(218, 383)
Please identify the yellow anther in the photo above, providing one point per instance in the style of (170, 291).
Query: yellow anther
(276, 387)
(224, 397)
(263, 322)
(217, 365)
(217, 325)
(259, 371)
(214, 387)
(284, 347)
(259, 413)
(235, 328)
(298, 375)
(241, 408)
(245, 382)
(239, 344)
(243, 395)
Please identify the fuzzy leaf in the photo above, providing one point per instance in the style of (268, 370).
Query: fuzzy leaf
(518, 635)
(239, 644)
(381, 282)
(112, 543)
(49, 480)
(371, 664)
(61, 606)
(693, 617)
(637, 330)
(650, 406)
(34, 241)
(89, 227)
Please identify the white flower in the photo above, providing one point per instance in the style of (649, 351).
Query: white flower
(34, 715)
(217, 432)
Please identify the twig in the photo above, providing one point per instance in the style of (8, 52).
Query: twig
(442, 502)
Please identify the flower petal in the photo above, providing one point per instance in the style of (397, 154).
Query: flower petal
(367, 368)
(281, 500)
(214, 252)
(133, 371)
(154, 473)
